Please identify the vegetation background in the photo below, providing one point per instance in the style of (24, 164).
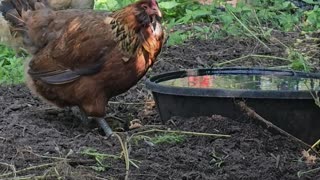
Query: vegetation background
(214, 19)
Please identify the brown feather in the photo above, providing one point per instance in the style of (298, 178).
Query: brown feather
(83, 58)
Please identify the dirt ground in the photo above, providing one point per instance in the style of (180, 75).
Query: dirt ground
(38, 140)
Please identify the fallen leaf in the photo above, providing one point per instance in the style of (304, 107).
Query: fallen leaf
(310, 159)
(135, 124)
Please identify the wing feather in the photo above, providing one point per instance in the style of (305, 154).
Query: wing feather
(81, 50)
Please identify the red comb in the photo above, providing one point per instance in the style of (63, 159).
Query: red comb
(153, 3)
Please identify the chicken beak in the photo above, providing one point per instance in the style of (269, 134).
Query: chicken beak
(158, 12)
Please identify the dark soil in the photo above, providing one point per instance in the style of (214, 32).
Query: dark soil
(50, 142)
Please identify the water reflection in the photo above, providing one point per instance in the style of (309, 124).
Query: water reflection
(246, 82)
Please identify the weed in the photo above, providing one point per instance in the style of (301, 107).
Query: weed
(99, 158)
(11, 67)
(218, 159)
(298, 60)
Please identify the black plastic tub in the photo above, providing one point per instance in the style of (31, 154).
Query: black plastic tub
(293, 110)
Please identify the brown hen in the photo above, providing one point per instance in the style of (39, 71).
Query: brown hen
(83, 58)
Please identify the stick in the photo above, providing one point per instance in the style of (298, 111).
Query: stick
(252, 114)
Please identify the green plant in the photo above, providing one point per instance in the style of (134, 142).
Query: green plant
(298, 60)
(11, 67)
(102, 158)
(260, 16)
(111, 5)
(168, 139)
(169, 136)
(218, 159)
(99, 157)
(312, 21)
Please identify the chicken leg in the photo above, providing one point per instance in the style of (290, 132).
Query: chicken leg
(86, 120)
(104, 126)
(81, 115)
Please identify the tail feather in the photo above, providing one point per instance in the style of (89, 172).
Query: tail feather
(12, 10)
(5, 7)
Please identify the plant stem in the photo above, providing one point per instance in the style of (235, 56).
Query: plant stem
(182, 132)
(301, 173)
(28, 169)
(246, 28)
(124, 146)
(314, 145)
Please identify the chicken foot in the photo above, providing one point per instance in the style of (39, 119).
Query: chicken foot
(86, 120)
(104, 126)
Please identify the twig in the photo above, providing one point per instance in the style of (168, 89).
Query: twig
(12, 167)
(277, 158)
(46, 157)
(102, 155)
(153, 126)
(27, 169)
(181, 132)
(313, 148)
(72, 162)
(252, 114)
(108, 116)
(43, 177)
(15, 172)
